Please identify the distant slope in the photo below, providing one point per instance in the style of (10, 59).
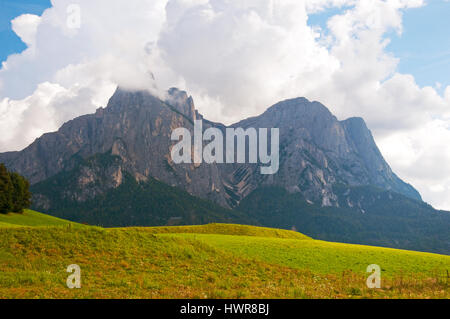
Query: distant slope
(30, 218)
(136, 263)
(225, 229)
(8, 225)
(378, 218)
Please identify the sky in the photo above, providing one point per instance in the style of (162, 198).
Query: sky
(387, 61)
(9, 9)
(424, 45)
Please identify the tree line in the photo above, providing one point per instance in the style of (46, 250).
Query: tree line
(14, 192)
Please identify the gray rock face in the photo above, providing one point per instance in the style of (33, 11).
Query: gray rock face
(316, 150)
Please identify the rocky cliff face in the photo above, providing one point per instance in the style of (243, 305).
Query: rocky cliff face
(317, 152)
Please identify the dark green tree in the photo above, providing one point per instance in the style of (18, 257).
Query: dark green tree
(6, 190)
(21, 196)
(14, 192)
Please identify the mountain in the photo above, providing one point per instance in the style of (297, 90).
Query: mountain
(97, 192)
(114, 168)
(316, 150)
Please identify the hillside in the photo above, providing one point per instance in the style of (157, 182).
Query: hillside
(382, 218)
(225, 229)
(193, 262)
(327, 257)
(31, 218)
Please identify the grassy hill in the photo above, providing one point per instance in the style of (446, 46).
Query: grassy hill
(326, 257)
(210, 261)
(31, 218)
(224, 229)
(378, 218)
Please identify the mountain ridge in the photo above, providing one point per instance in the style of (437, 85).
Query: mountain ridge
(137, 125)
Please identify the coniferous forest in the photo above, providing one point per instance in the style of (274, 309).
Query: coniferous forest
(14, 192)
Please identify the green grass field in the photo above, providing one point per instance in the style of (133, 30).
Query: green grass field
(210, 261)
(327, 258)
(31, 218)
(224, 229)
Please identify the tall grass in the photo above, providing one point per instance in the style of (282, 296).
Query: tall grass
(136, 263)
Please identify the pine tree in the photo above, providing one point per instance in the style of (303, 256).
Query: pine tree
(6, 190)
(14, 192)
(26, 194)
(20, 195)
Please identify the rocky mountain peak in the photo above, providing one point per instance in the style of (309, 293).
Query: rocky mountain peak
(317, 151)
(124, 99)
(299, 107)
(182, 102)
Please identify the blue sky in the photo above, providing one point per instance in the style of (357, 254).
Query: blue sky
(9, 9)
(424, 46)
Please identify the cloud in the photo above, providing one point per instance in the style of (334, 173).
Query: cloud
(45, 110)
(25, 26)
(236, 58)
(110, 30)
(422, 156)
(244, 56)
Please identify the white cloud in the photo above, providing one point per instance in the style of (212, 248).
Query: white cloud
(236, 58)
(114, 30)
(245, 56)
(45, 110)
(25, 26)
(422, 155)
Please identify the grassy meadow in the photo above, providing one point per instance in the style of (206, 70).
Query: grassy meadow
(31, 218)
(210, 261)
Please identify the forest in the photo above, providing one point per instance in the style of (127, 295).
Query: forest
(15, 195)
